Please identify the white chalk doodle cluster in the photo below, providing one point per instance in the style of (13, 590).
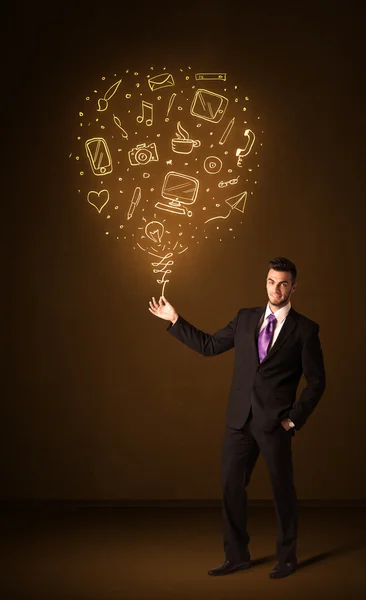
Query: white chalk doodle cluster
(167, 159)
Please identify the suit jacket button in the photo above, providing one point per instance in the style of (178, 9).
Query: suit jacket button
(255, 387)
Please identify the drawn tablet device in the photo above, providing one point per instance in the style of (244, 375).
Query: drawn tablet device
(209, 106)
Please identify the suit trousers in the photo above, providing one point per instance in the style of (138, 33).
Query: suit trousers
(241, 448)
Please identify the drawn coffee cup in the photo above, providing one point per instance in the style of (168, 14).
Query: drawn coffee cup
(182, 144)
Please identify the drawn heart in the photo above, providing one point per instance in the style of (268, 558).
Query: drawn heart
(98, 199)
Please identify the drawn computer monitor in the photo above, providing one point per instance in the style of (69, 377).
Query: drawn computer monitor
(181, 190)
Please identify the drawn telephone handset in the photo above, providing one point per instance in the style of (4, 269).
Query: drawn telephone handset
(241, 152)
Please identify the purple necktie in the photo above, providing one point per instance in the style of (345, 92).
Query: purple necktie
(265, 336)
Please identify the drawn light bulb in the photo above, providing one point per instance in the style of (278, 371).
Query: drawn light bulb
(155, 231)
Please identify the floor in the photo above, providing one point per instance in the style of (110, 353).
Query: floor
(164, 554)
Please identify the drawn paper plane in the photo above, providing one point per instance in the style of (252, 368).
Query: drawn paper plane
(238, 202)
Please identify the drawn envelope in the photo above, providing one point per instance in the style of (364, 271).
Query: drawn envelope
(209, 106)
(161, 81)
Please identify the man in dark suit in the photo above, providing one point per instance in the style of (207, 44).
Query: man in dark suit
(274, 346)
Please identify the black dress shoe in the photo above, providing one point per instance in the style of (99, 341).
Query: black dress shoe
(230, 567)
(283, 570)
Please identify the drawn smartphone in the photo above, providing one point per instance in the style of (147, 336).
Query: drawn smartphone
(209, 106)
(99, 156)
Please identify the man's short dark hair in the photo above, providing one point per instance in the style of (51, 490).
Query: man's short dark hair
(284, 264)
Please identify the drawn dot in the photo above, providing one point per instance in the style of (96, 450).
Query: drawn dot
(116, 208)
(229, 170)
(135, 73)
(87, 98)
(158, 135)
(121, 226)
(198, 125)
(102, 127)
(246, 97)
(230, 229)
(208, 189)
(81, 124)
(81, 114)
(203, 208)
(236, 99)
(258, 117)
(119, 178)
(217, 206)
(96, 120)
(159, 97)
(137, 85)
(146, 175)
(79, 138)
(250, 170)
(108, 216)
(103, 78)
(81, 172)
(245, 108)
(217, 227)
(187, 77)
(151, 189)
(180, 107)
(128, 95)
(235, 87)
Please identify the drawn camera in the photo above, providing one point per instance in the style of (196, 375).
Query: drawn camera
(143, 154)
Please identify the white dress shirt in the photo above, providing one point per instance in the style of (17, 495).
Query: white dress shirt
(280, 315)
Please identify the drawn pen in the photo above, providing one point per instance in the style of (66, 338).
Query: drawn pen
(227, 131)
(134, 202)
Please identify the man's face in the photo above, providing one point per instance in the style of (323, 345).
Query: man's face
(279, 287)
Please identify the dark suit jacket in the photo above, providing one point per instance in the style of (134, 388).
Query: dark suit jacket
(269, 387)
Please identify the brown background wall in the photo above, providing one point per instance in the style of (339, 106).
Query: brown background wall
(100, 402)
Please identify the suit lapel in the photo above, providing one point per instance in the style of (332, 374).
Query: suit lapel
(286, 330)
(254, 322)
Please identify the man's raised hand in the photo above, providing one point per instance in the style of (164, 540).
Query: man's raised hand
(163, 309)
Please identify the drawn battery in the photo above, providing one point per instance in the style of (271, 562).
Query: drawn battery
(210, 76)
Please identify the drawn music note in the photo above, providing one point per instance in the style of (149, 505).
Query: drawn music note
(149, 109)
